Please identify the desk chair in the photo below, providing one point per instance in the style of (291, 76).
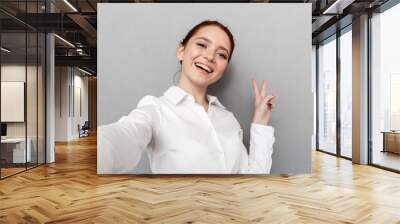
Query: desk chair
(84, 130)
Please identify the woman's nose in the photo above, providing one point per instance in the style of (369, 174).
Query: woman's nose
(210, 55)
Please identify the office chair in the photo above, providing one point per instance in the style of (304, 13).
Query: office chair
(84, 130)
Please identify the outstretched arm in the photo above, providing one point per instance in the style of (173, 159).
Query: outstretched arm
(121, 144)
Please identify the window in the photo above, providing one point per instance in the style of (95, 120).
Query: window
(346, 93)
(385, 88)
(327, 96)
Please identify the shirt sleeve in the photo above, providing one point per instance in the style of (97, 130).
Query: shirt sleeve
(121, 144)
(259, 159)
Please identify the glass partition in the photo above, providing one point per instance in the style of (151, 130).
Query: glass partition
(22, 63)
(13, 94)
(327, 96)
(31, 100)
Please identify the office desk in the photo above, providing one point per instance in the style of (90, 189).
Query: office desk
(391, 141)
(13, 150)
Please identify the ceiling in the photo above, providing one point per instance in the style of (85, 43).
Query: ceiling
(76, 22)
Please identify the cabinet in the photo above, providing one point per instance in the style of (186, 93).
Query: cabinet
(391, 141)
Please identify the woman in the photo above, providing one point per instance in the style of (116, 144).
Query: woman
(186, 130)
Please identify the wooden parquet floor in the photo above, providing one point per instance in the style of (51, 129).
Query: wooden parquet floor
(70, 191)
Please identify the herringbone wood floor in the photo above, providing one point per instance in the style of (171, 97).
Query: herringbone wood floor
(70, 191)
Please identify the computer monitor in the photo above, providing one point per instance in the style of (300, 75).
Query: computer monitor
(3, 129)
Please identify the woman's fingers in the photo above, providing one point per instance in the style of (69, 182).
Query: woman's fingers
(263, 92)
(272, 103)
(263, 88)
(269, 100)
(255, 88)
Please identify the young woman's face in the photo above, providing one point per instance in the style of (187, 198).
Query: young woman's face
(205, 56)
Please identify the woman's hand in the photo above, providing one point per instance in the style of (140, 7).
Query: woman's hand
(262, 104)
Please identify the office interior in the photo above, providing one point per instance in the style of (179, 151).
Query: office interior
(48, 86)
(37, 112)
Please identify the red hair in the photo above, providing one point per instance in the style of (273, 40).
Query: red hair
(210, 23)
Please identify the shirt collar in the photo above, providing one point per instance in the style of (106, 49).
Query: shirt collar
(214, 100)
(175, 94)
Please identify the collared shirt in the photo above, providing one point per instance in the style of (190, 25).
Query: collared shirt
(180, 137)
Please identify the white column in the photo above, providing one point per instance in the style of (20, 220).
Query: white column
(50, 100)
(50, 92)
(360, 90)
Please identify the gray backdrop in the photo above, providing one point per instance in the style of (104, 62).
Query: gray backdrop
(137, 56)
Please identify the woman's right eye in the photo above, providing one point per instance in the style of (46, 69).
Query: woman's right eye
(201, 45)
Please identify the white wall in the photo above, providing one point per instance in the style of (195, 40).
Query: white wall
(67, 115)
(12, 73)
(16, 73)
(80, 83)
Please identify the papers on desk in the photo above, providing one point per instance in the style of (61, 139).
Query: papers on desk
(19, 154)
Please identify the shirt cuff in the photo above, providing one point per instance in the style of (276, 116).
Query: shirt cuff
(263, 131)
(261, 141)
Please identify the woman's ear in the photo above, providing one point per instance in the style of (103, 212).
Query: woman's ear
(179, 52)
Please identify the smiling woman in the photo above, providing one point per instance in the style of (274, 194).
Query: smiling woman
(187, 130)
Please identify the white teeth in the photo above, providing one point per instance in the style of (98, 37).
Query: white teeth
(204, 67)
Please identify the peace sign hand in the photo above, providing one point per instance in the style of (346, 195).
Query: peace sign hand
(262, 104)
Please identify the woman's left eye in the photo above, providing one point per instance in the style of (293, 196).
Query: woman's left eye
(222, 56)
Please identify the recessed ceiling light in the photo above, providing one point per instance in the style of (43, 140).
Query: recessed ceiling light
(337, 7)
(70, 5)
(84, 71)
(5, 50)
(64, 40)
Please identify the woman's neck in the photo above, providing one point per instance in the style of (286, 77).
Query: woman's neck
(199, 93)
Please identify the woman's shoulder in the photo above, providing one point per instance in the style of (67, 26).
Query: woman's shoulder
(149, 105)
(148, 100)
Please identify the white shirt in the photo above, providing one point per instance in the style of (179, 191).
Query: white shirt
(180, 137)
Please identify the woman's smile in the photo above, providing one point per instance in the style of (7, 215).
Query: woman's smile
(203, 69)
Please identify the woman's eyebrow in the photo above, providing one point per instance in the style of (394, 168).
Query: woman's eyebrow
(208, 40)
